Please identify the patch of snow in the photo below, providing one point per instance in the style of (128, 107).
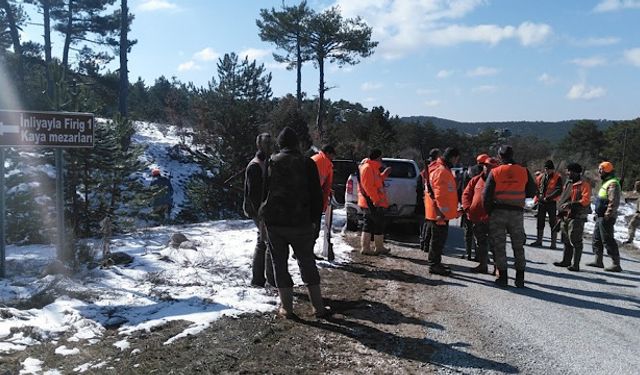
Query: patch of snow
(31, 366)
(64, 351)
(122, 344)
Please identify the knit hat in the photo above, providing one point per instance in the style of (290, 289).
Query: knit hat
(606, 167)
(549, 164)
(574, 167)
(288, 139)
(505, 152)
(482, 158)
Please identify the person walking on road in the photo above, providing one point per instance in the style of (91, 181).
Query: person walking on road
(607, 203)
(574, 208)
(425, 230)
(473, 206)
(254, 184)
(291, 209)
(634, 223)
(549, 186)
(506, 189)
(441, 208)
(372, 198)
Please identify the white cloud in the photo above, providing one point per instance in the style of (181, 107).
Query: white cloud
(484, 89)
(426, 91)
(633, 56)
(546, 79)
(582, 91)
(596, 41)
(187, 66)
(404, 26)
(371, 86)
(444, 74)
(207, 54)
(254, 53)
(153, 5)
(613, 5)
(432, 103)
(482, 71)
(590, 62)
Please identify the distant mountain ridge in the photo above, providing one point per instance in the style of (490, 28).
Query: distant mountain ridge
(553, 131)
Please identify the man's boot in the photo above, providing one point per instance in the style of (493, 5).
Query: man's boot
(378, 240)
(502, 278)
(481, 268)
(566, 258)
(439, 269)
(520, 279)
(365, 244)
(538, 241)
(597, 262)
(554, 239)
(315, 296)
(616, 264)
(286, 303)
(577, 254)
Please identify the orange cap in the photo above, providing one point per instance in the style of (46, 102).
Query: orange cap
(491, 161)
(482, 158)
(606, 167)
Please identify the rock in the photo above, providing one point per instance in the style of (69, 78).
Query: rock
(177, 239)
(120, 257)
(188, 245)
(56, 268)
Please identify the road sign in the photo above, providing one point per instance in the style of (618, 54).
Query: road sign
(46, 129)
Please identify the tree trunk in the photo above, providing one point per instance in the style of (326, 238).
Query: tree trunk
(67, 38)
(321, 89)
(124, 48)
(46, 8)
(15, 38)
(299, 74)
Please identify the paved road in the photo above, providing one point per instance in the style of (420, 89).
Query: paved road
(561, 323)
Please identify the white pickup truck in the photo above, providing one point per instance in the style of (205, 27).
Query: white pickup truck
(402, 188)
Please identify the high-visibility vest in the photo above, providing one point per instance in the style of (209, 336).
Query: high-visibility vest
(551, 184)
(445, 192)
(603, 197)
(325, 172)
(511, 181)
(372, 182)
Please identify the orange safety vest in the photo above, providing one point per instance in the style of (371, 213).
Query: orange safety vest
(511, 182)
(445, 194)
(372, 182)
(325, 171)
(551, 185)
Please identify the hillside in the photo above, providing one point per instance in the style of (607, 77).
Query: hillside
(553, 131)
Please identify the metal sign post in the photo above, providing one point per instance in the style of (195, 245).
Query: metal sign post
(43, 129)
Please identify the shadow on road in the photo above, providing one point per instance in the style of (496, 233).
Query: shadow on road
(395, 275)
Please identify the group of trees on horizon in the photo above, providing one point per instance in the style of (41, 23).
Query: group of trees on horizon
(224, 116)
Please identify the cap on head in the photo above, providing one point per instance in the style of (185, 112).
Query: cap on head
(482, 158)
(375, 154)
(492, 162)
(549, 164)
(574, 167)
(606, 167)
(505, 152)
(155, 172)
(451, 152)
(288, 138)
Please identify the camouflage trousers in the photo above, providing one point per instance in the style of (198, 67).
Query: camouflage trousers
(502, 222)
(633, 225)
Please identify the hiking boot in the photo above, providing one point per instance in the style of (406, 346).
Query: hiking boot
(553, 246)
(501, 281)
(520, 279)
(561, 264)
(378, 241)
(439, 269)
(574, 268)
(536, 243)
(482, 268)
(365, 244)
(596, 264)
(614, 268)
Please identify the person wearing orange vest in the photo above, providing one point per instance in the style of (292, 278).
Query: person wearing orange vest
(473, 206)
(575, 206)
(467, 226)
(607, 203)
(323, 160)
(425, 230)
(372, 198)
(441, 208)
(549, 186)
(504, 196)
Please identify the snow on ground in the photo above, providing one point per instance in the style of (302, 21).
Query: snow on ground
(161, 285)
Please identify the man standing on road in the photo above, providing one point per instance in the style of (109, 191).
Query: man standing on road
(254, 184)
(441, 208)
(372, 198)
(574, 208)
(324, 162)
(465, 223)
(635, 220)
(549, 186)
(425, 231)
(291, 209)
(504, 196)
(473, 207)
(607, 204)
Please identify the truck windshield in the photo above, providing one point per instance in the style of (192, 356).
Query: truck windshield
(400, 169)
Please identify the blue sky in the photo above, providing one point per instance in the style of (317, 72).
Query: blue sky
(466, 60)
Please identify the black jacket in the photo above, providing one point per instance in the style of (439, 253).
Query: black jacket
(254, 185)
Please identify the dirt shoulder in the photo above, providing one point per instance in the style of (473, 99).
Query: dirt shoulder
(383, 306)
